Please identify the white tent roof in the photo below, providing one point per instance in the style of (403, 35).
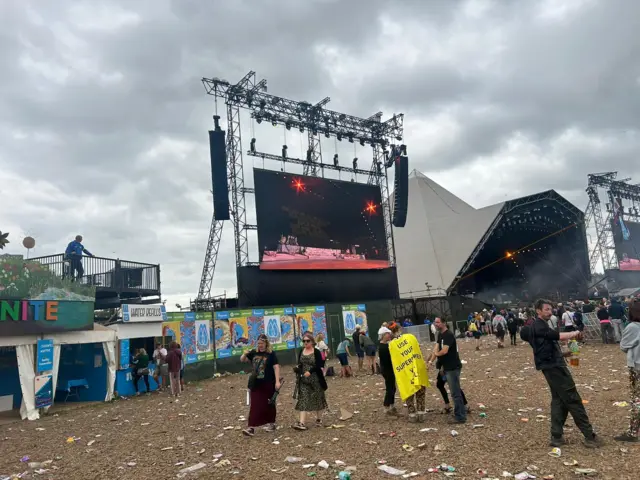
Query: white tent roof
(99, 334)
(441, 232)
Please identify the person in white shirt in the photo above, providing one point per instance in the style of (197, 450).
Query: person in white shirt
(567, 320)
(553, 323)
(382, 330)
(162, 369)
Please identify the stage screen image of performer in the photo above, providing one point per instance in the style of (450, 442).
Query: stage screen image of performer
(626, 238)
(312, 223)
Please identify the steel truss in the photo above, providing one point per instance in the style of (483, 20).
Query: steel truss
(250, 94)
(600, 218)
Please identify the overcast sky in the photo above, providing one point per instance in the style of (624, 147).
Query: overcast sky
(103, 117)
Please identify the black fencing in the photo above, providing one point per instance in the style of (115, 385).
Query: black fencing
(107, 273)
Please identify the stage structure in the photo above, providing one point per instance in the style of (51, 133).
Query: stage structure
(385, 138)
(606, 218)
(511, 251)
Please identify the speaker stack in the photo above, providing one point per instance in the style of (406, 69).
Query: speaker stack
(220, 184)
(400, 191)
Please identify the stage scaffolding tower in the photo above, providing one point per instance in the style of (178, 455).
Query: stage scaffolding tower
(600, 219)
(251, 94)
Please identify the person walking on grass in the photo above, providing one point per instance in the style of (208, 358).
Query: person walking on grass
(630, 344)
(446, 353)
(343, 354)
(358, 348)
(174, 361)
(310, 385)
(264, 381)
(386, 368)
(550, 360)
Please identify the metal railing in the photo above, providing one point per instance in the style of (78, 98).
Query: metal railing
(107, 273)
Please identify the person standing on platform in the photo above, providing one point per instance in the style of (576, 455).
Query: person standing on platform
(358, 348)
(73, 254)
(548, 358)
(446, 351)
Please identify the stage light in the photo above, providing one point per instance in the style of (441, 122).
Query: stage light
(355, 163)
(339, 137)
(362, 142)
(298, 185)
(509, 254)
(403, 149)
(274, 123)
(326, 134)
(287, 125)
(309, 155)
(350, 138)
(263, 104)
(284, 151)
(301, 129)
(399, 138)
(335, 160)
(252, 146)
(259, 119)
(371, 207)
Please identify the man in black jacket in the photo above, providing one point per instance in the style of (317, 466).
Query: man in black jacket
(616, 314)
(550, 360)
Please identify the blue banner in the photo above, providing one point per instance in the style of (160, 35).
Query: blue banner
(44, 355)
(125, 354)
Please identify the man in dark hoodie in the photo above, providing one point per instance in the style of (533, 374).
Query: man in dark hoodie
(550, 360)
(616, 314)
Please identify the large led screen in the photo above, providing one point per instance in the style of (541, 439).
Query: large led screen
(311, 223)
(626, 238)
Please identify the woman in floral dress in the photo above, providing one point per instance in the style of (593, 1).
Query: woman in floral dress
(311, 384)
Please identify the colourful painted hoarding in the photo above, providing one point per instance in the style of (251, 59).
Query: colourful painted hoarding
(353, 315)
(237, 330)
(193, 332)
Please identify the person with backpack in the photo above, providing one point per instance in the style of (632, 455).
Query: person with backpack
(512, 326)
(500, 328)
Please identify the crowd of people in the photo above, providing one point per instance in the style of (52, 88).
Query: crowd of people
(545, 327)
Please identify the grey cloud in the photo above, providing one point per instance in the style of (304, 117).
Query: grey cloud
(130, 134)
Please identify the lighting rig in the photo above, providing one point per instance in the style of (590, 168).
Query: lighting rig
(251, 94)
(600, 216)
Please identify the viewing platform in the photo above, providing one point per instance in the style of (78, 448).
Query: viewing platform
(116, 281)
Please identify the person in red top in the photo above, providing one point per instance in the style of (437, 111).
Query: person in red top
(174, 361)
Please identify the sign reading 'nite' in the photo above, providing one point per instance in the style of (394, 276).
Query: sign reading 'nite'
(25, 310)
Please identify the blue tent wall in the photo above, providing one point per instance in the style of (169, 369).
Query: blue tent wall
(78, 362)
(10, 384)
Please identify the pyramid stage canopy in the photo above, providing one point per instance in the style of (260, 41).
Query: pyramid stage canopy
(530, 246)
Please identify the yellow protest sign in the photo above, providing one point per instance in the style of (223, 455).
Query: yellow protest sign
(408, 365)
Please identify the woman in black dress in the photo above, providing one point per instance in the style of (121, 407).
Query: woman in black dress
(263, 383)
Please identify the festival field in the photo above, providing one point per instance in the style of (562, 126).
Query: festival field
(151, 437)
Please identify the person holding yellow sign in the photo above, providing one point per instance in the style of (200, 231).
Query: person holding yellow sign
(410, 371)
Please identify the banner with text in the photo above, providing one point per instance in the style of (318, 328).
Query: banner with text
(144, 313)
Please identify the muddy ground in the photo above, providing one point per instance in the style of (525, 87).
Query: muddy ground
(151, 437)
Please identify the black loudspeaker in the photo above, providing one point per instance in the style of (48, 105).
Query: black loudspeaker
(219, 175)
(401, 191)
